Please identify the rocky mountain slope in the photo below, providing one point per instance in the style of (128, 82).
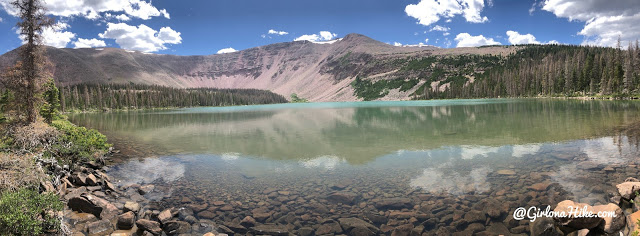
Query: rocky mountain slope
(315, 71)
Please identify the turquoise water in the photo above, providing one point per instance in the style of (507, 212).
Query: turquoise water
(461, 150)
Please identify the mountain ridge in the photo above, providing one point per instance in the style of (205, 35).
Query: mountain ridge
(316, 71)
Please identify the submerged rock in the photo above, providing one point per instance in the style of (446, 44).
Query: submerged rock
(342, 197)
(394, 203)
(355, 226)
(269, 229)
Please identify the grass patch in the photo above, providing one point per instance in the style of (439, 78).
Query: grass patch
(27, 212)
(76, 144)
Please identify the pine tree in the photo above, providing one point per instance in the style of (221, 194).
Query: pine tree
(49, 109)
(26, 78)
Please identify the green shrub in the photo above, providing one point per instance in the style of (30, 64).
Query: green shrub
(26, 212)
(77, 144)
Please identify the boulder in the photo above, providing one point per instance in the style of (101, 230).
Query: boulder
(150, 226)
(79, 179)
(570, 209)
(91, 180)
(99, 228)
(632, 221)
(355, 226)
(126, 220)
(342, 197)
(165, 216)
(627, 189)
(131, 206)
(88, 203)
(611, 224)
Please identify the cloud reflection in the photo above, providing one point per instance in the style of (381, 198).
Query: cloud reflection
(148, 171)
(433, 180)
(326, 162)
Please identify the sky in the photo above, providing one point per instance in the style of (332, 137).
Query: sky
(203, 27)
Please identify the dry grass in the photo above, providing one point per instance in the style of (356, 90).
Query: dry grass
(18, 171)
(34, 136)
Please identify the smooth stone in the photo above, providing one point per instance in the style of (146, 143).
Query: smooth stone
(99, 228)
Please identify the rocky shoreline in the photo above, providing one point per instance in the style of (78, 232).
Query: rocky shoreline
(359, 206)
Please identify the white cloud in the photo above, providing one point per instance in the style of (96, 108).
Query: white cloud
(430, 11)
(226, 50)
(142, 37)
(55, 36)
(91, 9)
(440, 28)
(164, 13)
(322, 36)
(604, 20)
(0, 19)
(89, 43)
(517, 38)
(426, 40)
(272, 31)
(533, 8)
(445, 33)
(123, 17)
(467, 40)
(397, 44)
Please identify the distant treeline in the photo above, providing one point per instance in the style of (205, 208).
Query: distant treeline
(552, 70)
(136, 96)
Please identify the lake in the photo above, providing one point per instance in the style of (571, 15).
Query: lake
(439, 166)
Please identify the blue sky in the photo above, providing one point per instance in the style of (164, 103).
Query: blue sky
(205, 27)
